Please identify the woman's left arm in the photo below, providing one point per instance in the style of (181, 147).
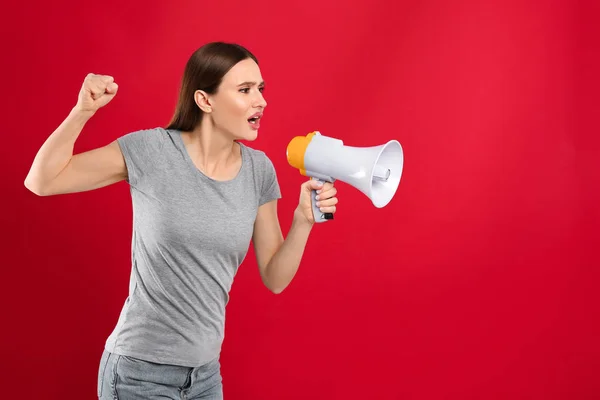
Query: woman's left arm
(278, 259)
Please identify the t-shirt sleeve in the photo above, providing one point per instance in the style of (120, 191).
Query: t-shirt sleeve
(141, 151)
(270, 189)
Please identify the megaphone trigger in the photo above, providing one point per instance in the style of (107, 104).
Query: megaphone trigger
(317, 214)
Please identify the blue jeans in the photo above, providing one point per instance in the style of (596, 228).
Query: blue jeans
(128, 378)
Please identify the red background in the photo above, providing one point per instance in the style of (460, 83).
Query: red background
(478, 281)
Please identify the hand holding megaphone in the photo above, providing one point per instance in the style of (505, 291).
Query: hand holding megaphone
(316, 195)
(375, 171)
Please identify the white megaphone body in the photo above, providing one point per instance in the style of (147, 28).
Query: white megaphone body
(375, 171)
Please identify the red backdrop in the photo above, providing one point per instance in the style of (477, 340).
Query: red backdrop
(478, 280)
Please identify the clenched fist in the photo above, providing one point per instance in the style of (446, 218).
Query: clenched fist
(96, 91)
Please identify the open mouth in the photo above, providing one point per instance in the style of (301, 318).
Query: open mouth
(255, 117)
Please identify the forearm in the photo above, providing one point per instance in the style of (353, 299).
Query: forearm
(57, 150)
(285, 262)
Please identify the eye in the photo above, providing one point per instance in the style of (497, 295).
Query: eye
(262, 89)
(244, 90)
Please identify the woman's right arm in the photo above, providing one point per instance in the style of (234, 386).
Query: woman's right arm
(55, 170)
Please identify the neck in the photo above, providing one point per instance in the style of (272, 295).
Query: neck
(210, 148)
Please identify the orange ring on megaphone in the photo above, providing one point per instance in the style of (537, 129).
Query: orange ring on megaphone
(296, 150)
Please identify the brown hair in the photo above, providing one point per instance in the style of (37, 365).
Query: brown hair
(204, 71)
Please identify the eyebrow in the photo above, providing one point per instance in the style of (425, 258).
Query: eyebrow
(251, 84)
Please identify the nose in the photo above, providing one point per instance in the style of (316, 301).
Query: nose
(260, 101)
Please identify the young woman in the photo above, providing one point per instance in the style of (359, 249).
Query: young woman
(199, 197)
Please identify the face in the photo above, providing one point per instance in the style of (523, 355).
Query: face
(238, 105)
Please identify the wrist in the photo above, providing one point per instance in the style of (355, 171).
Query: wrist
(81, 114)
(300, 220)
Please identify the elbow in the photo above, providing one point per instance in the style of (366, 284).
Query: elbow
(275, 284)
(35, 188)
(272, 288)
(276, 289)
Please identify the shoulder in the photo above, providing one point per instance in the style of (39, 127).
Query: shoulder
(259, 158)
(265, 175)
(150, 138)
(252, 152)
(142, 150)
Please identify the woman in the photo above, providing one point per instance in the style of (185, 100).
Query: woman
(199, 197)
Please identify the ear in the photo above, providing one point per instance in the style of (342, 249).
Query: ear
(202, 101)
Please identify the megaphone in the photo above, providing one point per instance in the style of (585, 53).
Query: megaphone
(375, 171)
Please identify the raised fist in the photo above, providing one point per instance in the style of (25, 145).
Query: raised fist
(96, 91)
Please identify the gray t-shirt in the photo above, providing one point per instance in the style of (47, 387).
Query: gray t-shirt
(190, 235)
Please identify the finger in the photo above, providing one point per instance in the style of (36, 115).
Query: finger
(328, 202)
(93, 79)
(98, 88)
(331, 209)
(320, 186)
(327, 186)
(105, 79)
(95, 90)
(313, 184)
(112, 88)
(326, 194)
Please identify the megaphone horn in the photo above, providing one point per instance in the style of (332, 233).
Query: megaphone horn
(375, 171)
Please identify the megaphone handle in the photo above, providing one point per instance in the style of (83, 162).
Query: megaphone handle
(317, 214)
